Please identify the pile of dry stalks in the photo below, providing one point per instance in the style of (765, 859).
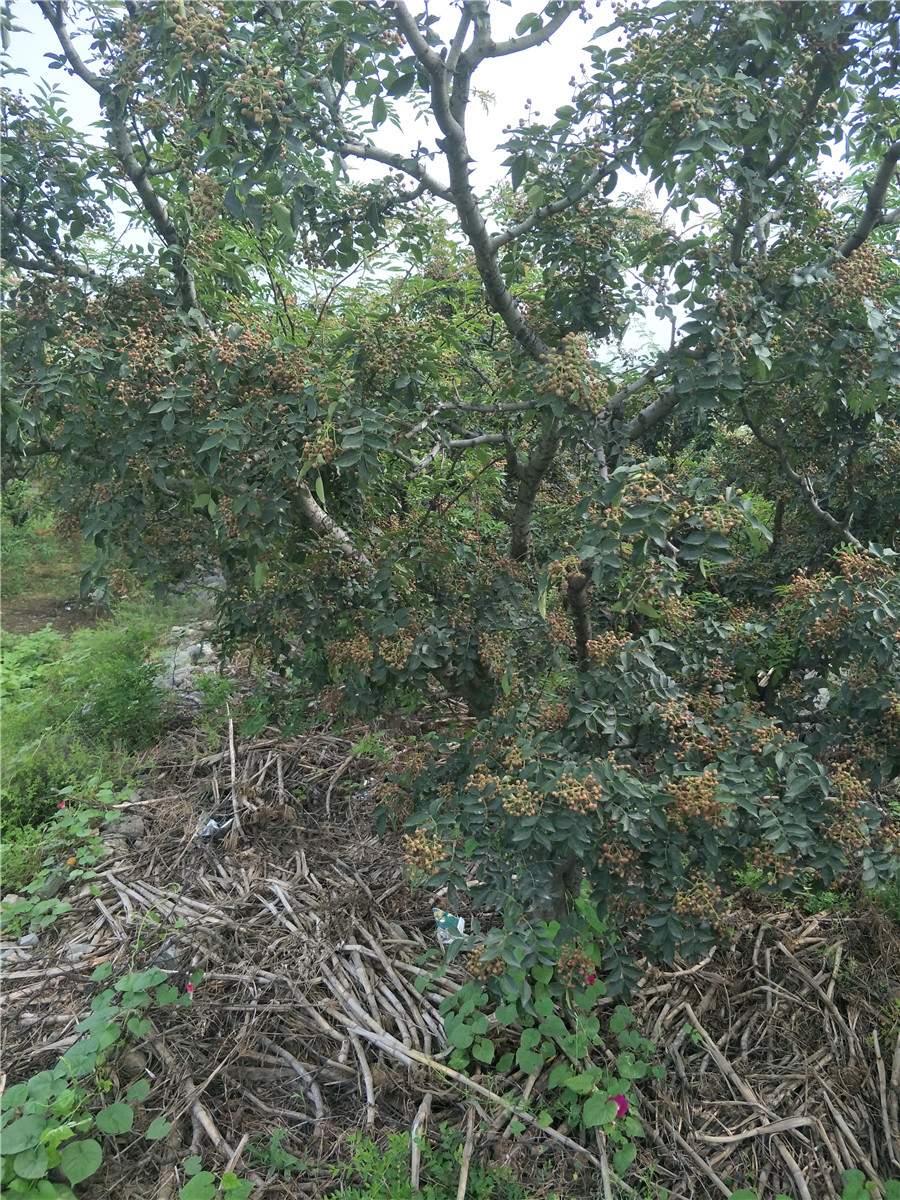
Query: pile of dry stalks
(781, 1049)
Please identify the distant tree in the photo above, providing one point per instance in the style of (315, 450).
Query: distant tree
(397, 413)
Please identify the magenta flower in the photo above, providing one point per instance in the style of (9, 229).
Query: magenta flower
(591, 979)
(62, 804)
(621, 1104)
(190, 989)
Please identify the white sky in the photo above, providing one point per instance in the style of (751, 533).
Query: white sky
(540, 75)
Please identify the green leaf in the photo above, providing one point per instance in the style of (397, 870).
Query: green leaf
(24, 1133)
(624, 1157)
(234, 1188)
(529, 1061)
(620, 1019)
(102, 972)
(379, 111)
(629, 1067)
(507, 1013)
(233, 204)
(553, 1026)
(559, 1075)
(282, 215)
(157, 1129)
(79, 1160)
(461, 1036)
(517, 169)
(31, 1164)
(581, 1085)
(138, 1091)
(14, 1096)
(201, 1187)
(535, 195)
(115, 1118)
(320, 490)
(598, 1110)
(483, 1050)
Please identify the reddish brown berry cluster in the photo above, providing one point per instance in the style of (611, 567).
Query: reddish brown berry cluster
(553, 716)
(574, 967)
(579, 795)
(481, 969)
(356, 650)
(695, 797)
(702, 899)
(605, 648)
(422, 851)
(517, 799)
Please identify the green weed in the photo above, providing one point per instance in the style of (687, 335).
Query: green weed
(74, 708)
(384, 1171)
(63, 851)
(47, 1120)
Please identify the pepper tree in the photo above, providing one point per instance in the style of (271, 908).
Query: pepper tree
(395, 408)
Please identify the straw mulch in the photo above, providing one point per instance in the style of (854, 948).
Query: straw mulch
(781, 1050)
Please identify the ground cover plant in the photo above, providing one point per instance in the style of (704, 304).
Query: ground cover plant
(76, 710)
(398, 411)
(554, 1080)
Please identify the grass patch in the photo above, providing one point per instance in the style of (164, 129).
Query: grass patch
(74, 709)
(37, 558)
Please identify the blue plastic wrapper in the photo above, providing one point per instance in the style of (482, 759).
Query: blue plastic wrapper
(449, 926)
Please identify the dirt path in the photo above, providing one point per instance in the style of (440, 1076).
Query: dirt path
(28, 613)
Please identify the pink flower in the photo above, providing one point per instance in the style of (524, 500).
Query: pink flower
(190, 989)
(591, 979)
(621, 1104)
(62, 804)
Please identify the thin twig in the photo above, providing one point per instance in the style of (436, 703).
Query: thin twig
(415, 1164)
(468, 1150)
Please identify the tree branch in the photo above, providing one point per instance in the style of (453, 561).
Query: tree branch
(536, 38)
(481, 439)
(400, 162)
(530, 474)
(319, 521)
(52, 268)
(458, 38)
(427, 56)
(802, 482)
(463, 197)
(550, 210)
(661, 405)
(872, 216)
(57, 261)
(123, 149)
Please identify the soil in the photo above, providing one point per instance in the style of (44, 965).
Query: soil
(27, 613)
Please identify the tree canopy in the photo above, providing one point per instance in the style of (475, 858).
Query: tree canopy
(396, 409)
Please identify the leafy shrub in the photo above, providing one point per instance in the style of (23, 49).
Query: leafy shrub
(37, 768)
(660, 775)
